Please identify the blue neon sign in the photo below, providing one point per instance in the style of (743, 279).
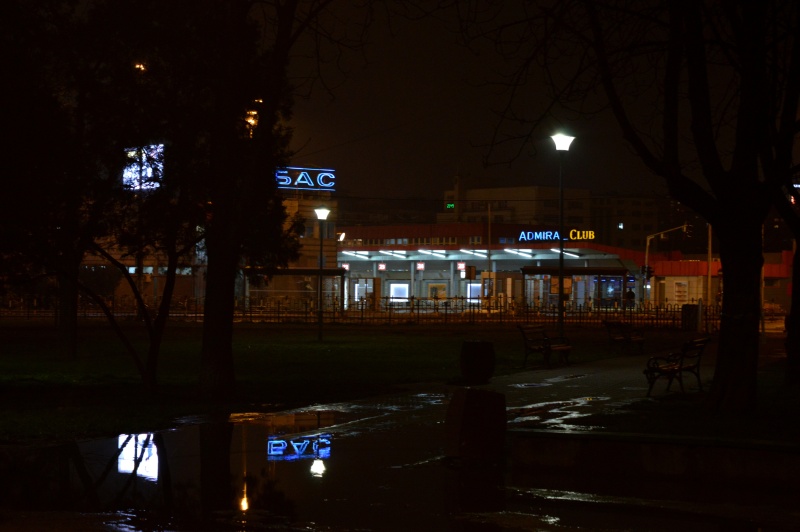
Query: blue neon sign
(295, 178)
(526, 236)
(318, 447)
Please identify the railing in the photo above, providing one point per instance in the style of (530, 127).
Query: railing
(388, 311)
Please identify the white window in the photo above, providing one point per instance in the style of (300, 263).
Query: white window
(474, 293)
(145, 167)
(398, 293)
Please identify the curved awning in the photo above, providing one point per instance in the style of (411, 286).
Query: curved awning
(617, 267)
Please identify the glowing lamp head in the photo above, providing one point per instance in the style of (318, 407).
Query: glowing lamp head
(562, 141)
(322, 213)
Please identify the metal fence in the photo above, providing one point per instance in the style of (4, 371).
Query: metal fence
(388, 311)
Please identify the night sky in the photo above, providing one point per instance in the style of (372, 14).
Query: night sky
(418, 114)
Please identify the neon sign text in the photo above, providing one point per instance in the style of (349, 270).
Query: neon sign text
(574, 234)
(525, 236)
(318, 446)
(295, 178)
(581, 235)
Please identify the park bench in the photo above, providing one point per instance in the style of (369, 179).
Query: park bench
(620, 332)
(536, 340)
(674, 365)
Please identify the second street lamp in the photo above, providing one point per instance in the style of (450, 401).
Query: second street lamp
(562, 143)
(322, 215)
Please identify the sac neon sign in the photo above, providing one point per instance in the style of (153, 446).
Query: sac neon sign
(318, 446)
(574, 234)
(294, 178)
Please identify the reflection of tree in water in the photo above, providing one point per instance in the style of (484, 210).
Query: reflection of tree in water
(71, 478)
(141, 452)
(221, 490)
(269, 501)
(127, 495)
(216, 491)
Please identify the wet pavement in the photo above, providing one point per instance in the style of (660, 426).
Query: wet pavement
(386, 463)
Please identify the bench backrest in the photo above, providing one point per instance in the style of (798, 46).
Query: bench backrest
(536, 336)
(692, 352)
(533, 333)
(617, 327)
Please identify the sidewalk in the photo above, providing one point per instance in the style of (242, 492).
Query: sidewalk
(554, 399)
(545, 481)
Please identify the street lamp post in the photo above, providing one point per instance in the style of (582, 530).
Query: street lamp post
(646, 268)
(562, 143)
(322, 215)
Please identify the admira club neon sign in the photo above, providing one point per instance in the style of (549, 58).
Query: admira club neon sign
(295, 178)
(548, 236)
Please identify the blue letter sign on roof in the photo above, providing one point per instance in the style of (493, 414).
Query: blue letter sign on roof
(295, 178)
(529, 236)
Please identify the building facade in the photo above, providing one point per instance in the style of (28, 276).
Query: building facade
(491, 248)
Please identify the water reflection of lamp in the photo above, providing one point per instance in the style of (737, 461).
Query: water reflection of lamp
(317, 468)
(244, 504)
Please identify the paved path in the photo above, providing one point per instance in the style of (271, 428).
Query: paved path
(397, 447)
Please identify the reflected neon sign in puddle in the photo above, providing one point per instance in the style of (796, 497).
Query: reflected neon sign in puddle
(308, 447)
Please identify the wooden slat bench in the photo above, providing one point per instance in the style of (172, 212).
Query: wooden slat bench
(625, 334)
(536, 340)
(674, 365)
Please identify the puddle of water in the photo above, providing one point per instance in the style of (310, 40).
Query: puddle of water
(578, 510)
(341, 465)
(334, 467)
(556, 415)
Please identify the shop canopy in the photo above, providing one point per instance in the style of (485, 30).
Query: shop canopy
(611, 267)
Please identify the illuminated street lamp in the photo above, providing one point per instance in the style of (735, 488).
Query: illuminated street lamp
(562, 146)
(322, 215)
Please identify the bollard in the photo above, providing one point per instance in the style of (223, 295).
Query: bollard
(477, 362)
(476, 426)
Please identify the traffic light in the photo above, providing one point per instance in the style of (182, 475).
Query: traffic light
(687, 230)
(648, 273)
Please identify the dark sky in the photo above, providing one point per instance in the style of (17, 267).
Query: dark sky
(417, 114)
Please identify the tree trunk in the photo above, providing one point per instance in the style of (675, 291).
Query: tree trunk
(217, 376)
(67, 324)
(150, 374)
(793, 327)
(735, 378)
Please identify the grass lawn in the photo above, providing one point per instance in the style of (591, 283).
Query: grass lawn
(45, 395)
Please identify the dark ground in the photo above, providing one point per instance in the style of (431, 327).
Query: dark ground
(292, 371)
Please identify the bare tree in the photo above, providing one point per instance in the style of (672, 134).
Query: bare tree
(706, 95)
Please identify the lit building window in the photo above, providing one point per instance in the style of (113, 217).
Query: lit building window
(145, 167)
